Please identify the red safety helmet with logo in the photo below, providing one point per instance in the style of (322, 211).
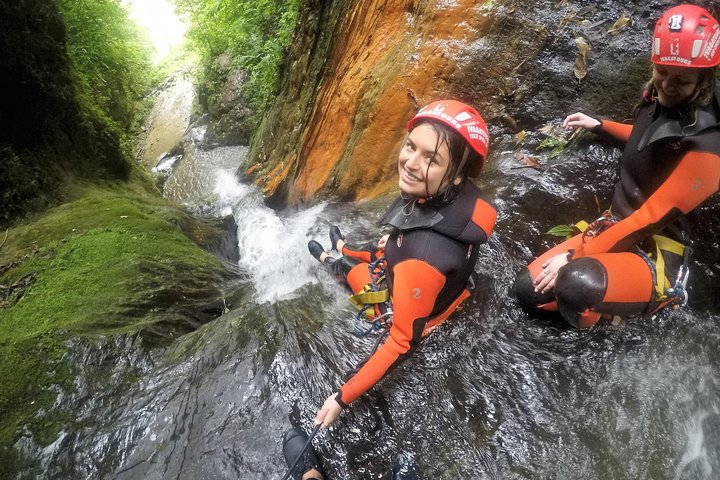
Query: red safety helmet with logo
(465, 120)
(687, 36)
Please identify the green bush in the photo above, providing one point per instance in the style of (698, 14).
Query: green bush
(253, 33)
(110, 64)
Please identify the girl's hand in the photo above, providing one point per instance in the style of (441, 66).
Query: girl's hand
(383, 240)
(580, 120)
(328, 412)
(545, 281)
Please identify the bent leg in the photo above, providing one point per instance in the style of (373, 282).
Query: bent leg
(611, 283)
(351, 271)
(524, 287)
(365, 252)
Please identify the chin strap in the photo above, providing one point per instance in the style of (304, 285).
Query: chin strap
(465, 156)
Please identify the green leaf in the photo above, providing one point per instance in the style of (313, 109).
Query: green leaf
(564, 231)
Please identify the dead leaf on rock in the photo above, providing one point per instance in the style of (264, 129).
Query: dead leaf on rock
(527, 161)
(580, 68)
(531, 162)
(547, 129)
(553, 129)
(620, 24)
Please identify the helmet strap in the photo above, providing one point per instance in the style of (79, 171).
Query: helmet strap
(465, 156)
(451, 189)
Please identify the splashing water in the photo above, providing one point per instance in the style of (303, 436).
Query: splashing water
(272, 247)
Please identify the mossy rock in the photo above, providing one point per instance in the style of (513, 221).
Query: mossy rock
(111, 262)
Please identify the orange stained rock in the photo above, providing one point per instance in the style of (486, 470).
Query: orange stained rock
(371, 168)
(251, 169)
(385, 54)
(370, 28)
(277, 175)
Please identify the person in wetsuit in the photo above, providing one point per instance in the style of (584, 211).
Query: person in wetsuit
(437, 225)
(633, 259)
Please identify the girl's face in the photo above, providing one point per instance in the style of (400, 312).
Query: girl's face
(420, 168)
(675, 85)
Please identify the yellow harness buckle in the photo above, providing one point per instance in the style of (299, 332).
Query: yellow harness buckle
(369, 297)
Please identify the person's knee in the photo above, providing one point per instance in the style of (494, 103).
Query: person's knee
(579, 289)
(340, 267)
(524, 289)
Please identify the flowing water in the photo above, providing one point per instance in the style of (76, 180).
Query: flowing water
(496, 392)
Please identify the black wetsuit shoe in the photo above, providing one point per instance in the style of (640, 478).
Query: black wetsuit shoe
(293, 443)
(315, 249)
(335, 236)
(404, 468)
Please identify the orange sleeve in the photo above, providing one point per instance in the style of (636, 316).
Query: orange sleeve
(617, 130)
(416, 285)
(695, 178)
(484, 216)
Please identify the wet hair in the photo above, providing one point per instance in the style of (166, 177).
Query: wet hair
(704, 92)
(457, 146)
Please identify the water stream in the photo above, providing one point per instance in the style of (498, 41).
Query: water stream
(495, 393)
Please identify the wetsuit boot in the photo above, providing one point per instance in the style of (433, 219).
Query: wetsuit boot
(335, 237)
(293, 443)
(316, 249)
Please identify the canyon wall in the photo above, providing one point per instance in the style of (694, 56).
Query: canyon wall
(359, 70)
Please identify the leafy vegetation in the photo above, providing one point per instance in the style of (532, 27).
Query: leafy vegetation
(110, 61)
(563, 231)
(252, 34)
(73, 73)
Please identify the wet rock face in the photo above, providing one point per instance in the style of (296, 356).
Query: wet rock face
(231, 117)
(215, 234)
(358, 72)
(168, 120)
(36, 97)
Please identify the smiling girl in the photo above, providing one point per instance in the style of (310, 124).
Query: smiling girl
(634, 259)
(438, 224)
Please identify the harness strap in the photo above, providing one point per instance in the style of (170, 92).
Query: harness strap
(372, 297)
(666, 244)
(664, 290)
(653, 266)
(368, 297)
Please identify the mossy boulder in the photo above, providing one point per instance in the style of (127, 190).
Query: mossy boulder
(111, 262)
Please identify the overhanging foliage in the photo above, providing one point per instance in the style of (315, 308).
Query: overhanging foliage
(254, 34)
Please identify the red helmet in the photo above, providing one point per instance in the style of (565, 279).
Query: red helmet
(463, 118)
(687, 36)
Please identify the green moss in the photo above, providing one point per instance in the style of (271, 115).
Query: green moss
(86, 267)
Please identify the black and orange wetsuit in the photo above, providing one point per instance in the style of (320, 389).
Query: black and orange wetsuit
(669, 166)
(430, 255)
